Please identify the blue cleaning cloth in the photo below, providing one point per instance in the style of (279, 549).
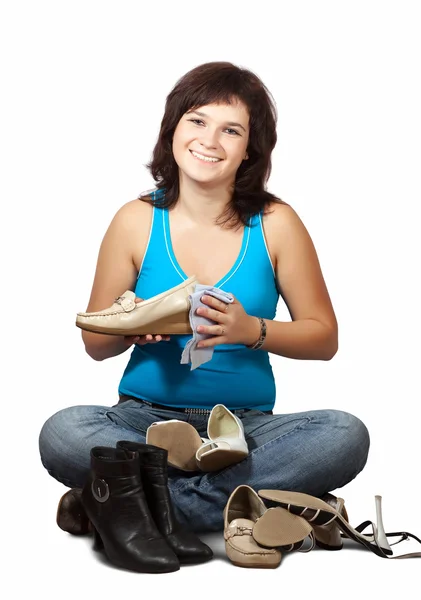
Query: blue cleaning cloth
(191, 353)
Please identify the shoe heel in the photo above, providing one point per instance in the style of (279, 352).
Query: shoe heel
(381, 535)
(98, 543)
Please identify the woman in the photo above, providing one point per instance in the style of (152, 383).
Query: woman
(211, 216)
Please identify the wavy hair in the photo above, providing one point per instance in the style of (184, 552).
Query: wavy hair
(220, 82)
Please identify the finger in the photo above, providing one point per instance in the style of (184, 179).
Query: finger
(215, 303)
(212, 329)
(213, 315)
(210, 342)
(159, 338)
(137, 300)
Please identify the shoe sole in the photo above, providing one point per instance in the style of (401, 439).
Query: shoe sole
(278, 527)
(179, 326)
(180, 439)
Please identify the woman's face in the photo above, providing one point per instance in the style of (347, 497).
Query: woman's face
(210, 142)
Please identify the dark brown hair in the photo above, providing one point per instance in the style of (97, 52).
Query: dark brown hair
(221, 82)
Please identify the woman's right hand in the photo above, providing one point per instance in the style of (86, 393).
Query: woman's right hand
(141, 340)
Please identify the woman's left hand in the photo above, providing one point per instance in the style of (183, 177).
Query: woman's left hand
(233, 324)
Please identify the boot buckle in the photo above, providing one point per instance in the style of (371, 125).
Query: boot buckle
(100, 490)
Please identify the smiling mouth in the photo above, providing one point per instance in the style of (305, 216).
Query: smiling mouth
(204, 158)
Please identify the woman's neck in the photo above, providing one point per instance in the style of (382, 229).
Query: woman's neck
(200, 203)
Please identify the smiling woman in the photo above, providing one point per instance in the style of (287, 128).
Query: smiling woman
(220, 111)
(211, 216)
(212, 143)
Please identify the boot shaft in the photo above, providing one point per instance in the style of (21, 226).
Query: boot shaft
(153, 462)
(154, 472)
(114, 486)
(116, 505)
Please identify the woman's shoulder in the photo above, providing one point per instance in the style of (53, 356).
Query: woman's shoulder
(132, 222)
(279, 213)
(283, 226)
(139, 208)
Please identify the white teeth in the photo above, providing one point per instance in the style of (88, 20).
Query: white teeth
(205, 158)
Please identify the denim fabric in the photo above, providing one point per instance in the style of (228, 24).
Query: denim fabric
(313, 452)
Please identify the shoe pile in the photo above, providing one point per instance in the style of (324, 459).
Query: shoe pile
(256, 536)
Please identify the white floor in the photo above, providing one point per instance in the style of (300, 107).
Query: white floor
(84, 89)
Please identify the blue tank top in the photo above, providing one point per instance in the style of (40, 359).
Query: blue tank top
(235, 376)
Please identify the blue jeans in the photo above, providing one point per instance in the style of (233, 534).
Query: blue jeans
(313, 452)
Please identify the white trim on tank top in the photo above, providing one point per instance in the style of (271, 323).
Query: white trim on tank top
(266, 246)
(149, 239)
(183, 277)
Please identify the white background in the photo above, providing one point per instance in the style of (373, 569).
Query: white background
(83, 92)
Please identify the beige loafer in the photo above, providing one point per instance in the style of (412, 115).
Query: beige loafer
(166, 314)
(243, 509)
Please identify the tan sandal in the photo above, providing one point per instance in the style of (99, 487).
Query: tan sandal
(319, 513)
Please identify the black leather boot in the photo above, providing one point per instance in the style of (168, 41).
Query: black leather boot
(153, 464)
(116, 506)
(71, 516)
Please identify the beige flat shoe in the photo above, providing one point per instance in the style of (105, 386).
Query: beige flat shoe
(180, 439)
(243, 509)
(227, 444)
(166, 314)
(256, 536)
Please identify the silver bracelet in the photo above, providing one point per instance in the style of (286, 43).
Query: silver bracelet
(262, 337)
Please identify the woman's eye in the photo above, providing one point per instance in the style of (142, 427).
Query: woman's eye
(200, 122)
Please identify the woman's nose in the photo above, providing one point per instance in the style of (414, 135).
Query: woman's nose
(208, 139)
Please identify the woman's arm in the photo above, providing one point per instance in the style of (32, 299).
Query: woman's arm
(313, 331)
(119, 258)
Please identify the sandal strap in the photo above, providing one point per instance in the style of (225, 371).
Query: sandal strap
(404, 535)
